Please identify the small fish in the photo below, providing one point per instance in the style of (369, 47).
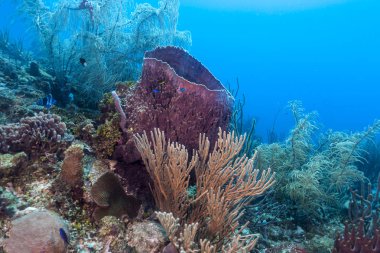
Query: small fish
(64, 236)
(182, 89)
(47, 101)
(71, 97)
(83, 62)
(156, 91)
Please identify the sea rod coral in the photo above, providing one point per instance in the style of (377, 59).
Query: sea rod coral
(224, 184)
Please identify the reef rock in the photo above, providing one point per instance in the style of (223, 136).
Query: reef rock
(10, 203)
(34, 69)
(36, 232)
(146, 236)
(178, 95)
(7, 97)
(12, 163)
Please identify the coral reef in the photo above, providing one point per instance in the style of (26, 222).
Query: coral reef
(167, 162)
(33, 135)
(178, 95)
(113, 231)
(19, 91)
(37, 232)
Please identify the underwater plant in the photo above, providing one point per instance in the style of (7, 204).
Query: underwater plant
(91, 45)
(314, 172)
(241, 124)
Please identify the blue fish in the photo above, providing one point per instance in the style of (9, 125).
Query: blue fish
(71, 97)
(64, 236)
(47, 101)
(156, 91)
(182, 89)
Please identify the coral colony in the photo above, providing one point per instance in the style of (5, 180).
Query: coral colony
(117, 140)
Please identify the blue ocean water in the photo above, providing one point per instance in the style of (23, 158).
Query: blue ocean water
(324, 53)
(72, 107)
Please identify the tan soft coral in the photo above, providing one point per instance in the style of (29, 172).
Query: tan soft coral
(224, 184)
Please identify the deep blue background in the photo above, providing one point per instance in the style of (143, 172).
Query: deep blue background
(328, 57)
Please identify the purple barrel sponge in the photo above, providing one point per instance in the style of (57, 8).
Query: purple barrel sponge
(178, 95)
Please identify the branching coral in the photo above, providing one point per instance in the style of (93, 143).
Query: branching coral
(224, 182)
(33, 135)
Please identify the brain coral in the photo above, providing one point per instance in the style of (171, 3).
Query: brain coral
(36, 232)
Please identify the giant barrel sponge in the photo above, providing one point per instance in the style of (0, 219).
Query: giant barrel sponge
(177, 94)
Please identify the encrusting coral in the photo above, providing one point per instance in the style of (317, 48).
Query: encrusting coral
(224, 183)
(107, 136)
(12, 163)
